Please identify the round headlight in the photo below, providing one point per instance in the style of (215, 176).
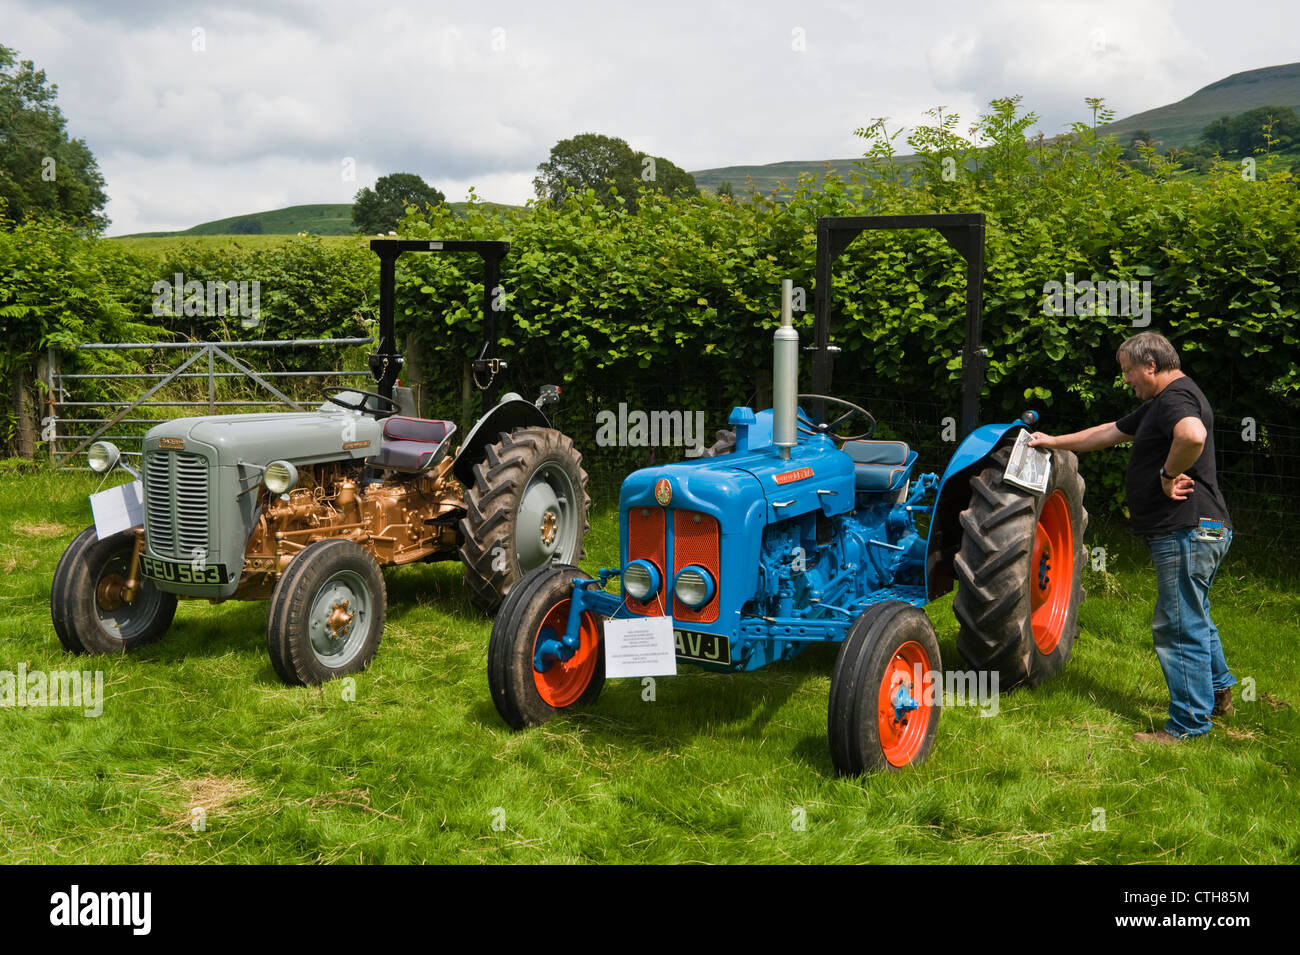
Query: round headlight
(640, 579)
(694, 587)
(280, 476)
(102, 456)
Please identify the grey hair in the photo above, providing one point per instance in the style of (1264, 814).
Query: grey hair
(1147, 347)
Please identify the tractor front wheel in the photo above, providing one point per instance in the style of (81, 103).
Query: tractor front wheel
(88, 599)
(527, 508)
(1020, 572)
(531, 672)
(885, 691)
(327, 613)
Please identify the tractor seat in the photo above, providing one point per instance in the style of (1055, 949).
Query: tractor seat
(412, 445)
(880, 465)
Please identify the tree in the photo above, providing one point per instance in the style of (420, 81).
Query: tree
(606, 164)
(42, 170)
(1262, 129)
(668, 177)
(250, 226)
(380, 209)
(1140, 137)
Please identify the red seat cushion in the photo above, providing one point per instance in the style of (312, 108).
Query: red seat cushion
(412, 444)
(402, 428)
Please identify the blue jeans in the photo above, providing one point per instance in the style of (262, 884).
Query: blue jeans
(1186, 639)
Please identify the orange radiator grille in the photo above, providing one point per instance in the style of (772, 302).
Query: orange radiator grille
(695, 541)
(645, 541)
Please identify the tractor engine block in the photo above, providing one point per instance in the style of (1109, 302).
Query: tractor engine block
(811, 562)
(397, 521)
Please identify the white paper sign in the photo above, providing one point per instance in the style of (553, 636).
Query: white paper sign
(1028, 467)
(640, 646)
(118, 509)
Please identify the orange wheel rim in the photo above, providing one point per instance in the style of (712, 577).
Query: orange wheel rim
(901, 737)
(563, 682)
(1051, 571)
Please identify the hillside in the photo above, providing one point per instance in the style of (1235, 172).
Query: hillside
(767, 176)
(1176, 124)
(323, 219)
(1180, 124)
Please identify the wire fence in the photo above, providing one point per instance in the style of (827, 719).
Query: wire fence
(1258, 461)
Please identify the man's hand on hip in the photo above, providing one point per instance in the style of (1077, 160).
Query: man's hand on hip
(1177, 488)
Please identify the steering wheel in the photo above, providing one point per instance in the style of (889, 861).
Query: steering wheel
(829, 427)
(332, 397)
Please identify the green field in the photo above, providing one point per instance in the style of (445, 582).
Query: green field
(201, 755)
(160, 243)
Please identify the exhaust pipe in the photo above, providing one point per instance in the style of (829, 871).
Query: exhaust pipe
(785, 375)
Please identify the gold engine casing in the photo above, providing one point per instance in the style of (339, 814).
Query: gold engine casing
(398, 521)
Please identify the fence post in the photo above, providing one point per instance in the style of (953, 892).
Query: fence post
(55, 396)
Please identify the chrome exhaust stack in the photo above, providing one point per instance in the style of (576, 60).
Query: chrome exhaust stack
(785, 375)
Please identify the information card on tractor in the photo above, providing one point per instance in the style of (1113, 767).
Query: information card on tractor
(118, 509)
(641, 646)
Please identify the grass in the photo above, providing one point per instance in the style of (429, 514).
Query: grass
(718, 768)
(159, 243)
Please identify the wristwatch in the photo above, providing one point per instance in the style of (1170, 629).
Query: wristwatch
(1165, 474)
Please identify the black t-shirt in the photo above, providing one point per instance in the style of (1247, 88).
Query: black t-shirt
(1152, 428)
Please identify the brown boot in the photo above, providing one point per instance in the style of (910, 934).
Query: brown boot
(1223, 703)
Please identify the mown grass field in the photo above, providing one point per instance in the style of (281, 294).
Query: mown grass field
(419, 767)
(159, 243)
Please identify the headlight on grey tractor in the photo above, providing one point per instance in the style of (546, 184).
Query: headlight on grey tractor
(694, 587)
(279, 476)
(102, 456)
(641, 580)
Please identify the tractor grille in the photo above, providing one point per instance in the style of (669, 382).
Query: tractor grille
(176, 504)
(645, 541)
(695, 541)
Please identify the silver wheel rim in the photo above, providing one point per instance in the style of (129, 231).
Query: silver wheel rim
(546, 527)
(128, 620)
(340, 619)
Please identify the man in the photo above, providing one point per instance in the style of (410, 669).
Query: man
(1176, 506)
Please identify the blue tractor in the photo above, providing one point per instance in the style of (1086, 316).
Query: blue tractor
(795, 534)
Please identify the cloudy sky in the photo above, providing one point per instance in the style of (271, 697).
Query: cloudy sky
(197, 111)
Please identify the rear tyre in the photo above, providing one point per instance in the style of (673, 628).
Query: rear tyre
(1020, 572)
(89, 612)
(884, 702)
(327, 614)
(527, 507)
(527, 634)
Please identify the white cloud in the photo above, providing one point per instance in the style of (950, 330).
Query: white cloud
(477, 95)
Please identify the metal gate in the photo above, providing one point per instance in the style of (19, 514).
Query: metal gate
(70, 425)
